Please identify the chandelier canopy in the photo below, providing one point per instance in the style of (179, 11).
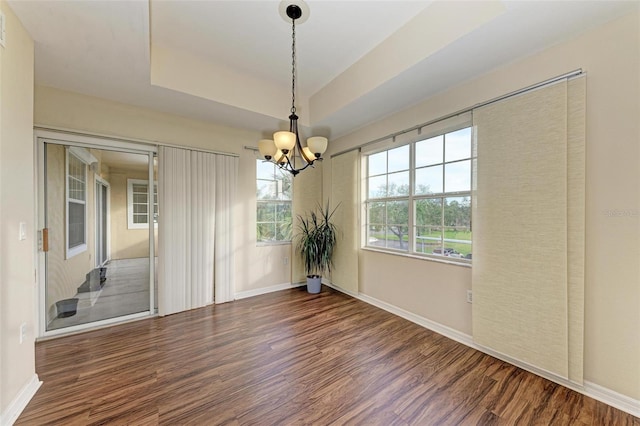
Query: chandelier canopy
(282, 149)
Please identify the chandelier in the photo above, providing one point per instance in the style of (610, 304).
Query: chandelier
(282, 149)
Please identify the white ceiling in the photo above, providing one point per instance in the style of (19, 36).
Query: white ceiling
(103, 48)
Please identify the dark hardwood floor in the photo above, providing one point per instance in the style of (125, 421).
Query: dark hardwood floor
(290, 358)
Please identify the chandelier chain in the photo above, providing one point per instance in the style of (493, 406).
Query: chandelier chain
(293, 67)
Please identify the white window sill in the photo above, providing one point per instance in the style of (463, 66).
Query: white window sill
(71, 252)
(431, 258)
(272, 243)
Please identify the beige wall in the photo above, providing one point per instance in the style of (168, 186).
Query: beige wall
(17, 265)
(126, 243)
(307, 195)
(611, 57)
(256, 266)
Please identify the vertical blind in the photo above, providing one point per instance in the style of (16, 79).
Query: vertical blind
(195, 253)
(528, 219)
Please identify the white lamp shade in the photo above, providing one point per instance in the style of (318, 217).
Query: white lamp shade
(267, 148)
(284, 140)
(307, 154)
(280, 158)
(317, 144)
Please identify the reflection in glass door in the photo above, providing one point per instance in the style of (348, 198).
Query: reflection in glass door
(102, 222)
(98, 266)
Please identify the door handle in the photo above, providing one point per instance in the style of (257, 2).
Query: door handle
(44, 239)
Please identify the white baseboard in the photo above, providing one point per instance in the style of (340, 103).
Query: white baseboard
(612, 398)
(340, 289)
(452, 334)
(592, 390)
(265, 290)
(20, 402)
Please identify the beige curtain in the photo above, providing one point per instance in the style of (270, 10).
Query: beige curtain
(195, 191)
(344, 193)
(226, 171)
(528, 228)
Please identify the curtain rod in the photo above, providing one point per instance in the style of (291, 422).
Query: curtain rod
(127, 140)
(571, 74)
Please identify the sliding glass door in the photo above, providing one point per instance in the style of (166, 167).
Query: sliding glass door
(98, 219)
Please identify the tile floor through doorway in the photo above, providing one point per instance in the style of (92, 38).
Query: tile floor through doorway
(125, 292)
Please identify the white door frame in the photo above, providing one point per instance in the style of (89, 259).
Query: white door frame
(69, 138)
(105, 184)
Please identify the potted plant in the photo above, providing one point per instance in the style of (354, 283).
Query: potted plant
(316, 243)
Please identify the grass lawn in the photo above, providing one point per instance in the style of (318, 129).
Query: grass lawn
(426, 246)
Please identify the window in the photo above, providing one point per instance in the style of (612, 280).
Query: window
(138, 203)
(418, 196)
(273, 212)
(76, 205)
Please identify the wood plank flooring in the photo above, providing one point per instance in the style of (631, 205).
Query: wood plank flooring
(291, 358)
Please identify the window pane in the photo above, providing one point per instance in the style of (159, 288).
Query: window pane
(457, 176)
(429, 151)
(284, 188)
(457, 212)
(429, 180)
(283, 212)
(267, 189)
(76, 224)
(377, 163)
(429, 212)
(428, 238)
(428, 221)
(274, 213)
(397, 224)
(376, 236)
(398, 159)
(457, 242)
(140, 198)
(139, 218)
(378, 187)
(76, 178)
(266, 212)
(140, 208)
(265, 170)
(139, 189)
(283, 231)
(266, 232)
(397, 237)
(398, 184)
(457, 145)
(377, 213)
(398, 212)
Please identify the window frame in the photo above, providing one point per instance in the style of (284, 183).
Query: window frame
(82, 247)
(130, 222)
(412, 198)
(275, 202)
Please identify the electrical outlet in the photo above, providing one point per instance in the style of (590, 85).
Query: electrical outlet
(23, 332)
(286, 261)
(469, 296)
